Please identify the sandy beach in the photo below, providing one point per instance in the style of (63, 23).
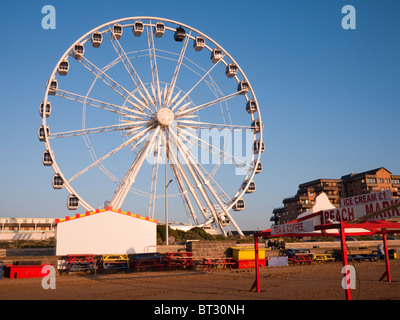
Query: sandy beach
(294, 282)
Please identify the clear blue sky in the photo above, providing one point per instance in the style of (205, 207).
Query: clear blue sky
(329, 97)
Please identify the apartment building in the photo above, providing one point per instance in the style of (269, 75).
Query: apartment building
(371, 181)
(349, 185)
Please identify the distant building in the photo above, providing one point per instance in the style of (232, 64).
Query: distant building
(349, 185)
(26, 228)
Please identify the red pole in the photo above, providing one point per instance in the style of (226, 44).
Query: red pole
(257, 264)
(256, 283)
(387, 258)
(344, 259)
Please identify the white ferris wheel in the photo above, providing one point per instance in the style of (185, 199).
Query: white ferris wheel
(140, 98)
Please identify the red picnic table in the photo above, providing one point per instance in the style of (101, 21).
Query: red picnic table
(79, 262)
(179, 259)
(224, 262)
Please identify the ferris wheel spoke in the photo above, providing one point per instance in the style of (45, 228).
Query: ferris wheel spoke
(123, 189)
(210, 177)
(184, 194)
(154, 175)
(182, 113)
(221, 153)
(176, 73)
(131, 70)
(179, 177)
(141, 136)
(191, 164)
(219, 218)
(154, 69)
(206, 125)
(115, 127)
(125, 94)
(124, 111)
(177, 166)
(177, 104)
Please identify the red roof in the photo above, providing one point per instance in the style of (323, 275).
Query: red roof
(107, 208)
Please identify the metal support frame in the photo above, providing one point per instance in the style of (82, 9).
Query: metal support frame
(372, 227)
(344, 260)
(387, 271)
(256, 284)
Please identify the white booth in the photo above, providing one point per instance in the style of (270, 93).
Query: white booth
(106, 231)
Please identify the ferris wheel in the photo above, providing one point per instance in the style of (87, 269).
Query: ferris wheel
(142, 97)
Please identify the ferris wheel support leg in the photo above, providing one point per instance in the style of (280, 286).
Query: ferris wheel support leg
(154, 174)
(183, 151)
(129, 179)
(184, 192)
(214, 193)
(180, 170)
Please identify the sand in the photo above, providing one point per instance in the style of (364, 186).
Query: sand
(294, 282)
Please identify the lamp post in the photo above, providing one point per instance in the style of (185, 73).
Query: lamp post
(166, 205)
(166, 187)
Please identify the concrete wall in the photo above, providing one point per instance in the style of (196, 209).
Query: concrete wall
(210, 249)
(27, 252)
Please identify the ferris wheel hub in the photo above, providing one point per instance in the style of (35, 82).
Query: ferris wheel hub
(165, 116)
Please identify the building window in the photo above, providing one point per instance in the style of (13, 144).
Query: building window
(387, 180)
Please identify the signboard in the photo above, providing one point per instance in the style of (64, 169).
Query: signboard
(296, 227)
(365, 198)
(354, 212)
